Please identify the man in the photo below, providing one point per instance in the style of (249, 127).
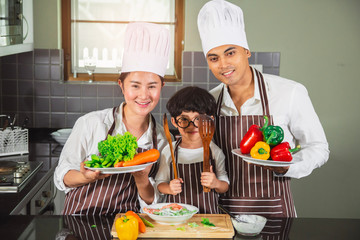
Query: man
(244, 97)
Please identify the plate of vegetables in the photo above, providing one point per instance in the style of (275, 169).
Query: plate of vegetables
(265, 146)
(170, 213)
(117, 154)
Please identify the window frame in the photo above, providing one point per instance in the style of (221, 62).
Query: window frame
(99, 77)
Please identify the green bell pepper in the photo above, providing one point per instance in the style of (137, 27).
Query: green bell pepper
(273, 135)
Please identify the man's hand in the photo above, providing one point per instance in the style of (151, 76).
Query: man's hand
(278, 170)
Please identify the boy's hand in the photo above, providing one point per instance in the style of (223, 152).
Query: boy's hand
(208, 179)
(175, 186)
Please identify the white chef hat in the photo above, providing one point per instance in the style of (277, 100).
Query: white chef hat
(146, 48)
(221, 23)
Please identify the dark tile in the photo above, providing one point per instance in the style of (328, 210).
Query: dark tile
(212, 78)
(8, 71)
(156, 108)
(88, 104)
(71, 119)
(252, 58)
(270, 70)
(42, 88)
(58, 120)
(26, 103)
(199, 59)
(202, 85)
(42, 56)
(23, 115)
(168, 91)
(42, 72)
(26, 58)
(25, 87)
(73, 90)
(118, 101)
(187, 59)
(106, 90)
(57, 89)
(42, 149)
(88, 90)
(162, 103)
(55, 72)
(9, 59)
(57, 105)
(46, 163)
(264, 58)
(187, 75)
(73, 105)
(276, 59)
(54, 161)
(41, 104)
(42, 120)
(26, 71)
(213, 85)
(55, 56)
(105, 103)
(117, 91)
(200, 75)
(9, 104)
(9, 87)
(158, 117)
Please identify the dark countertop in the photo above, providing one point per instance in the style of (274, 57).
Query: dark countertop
(58, 227)
(41, 148)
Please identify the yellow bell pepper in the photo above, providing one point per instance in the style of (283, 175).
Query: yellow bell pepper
(261, 150)
(127, 228)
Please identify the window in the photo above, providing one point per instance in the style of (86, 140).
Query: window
(96, 28)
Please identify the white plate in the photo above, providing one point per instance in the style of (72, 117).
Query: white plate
(270, 163)
(171, 220)
(116, 170)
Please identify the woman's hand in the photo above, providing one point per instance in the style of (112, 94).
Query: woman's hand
(92, 176)
(175, 186)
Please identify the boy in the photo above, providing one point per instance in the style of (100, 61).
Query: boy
(185, 106)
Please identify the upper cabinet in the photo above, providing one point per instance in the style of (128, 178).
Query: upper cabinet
(16, 26)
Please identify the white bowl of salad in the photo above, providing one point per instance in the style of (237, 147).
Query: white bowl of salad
(170, 213)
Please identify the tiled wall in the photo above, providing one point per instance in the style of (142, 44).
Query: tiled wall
(31, 84)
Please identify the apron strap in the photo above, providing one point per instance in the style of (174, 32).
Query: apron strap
(113, 125)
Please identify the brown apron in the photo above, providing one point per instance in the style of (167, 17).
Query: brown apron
(252, 189)
(114, 194)
(192, 190)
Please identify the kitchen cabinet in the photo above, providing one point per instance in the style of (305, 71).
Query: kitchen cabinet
(28, 32)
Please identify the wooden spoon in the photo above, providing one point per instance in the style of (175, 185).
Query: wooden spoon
(168, 137)
(206, 130)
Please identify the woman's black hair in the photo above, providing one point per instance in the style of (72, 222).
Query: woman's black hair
(191, 99)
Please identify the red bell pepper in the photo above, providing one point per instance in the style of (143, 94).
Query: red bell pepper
(253, 135)
(282, 152)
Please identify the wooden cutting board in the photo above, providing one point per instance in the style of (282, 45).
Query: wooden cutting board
(223, 228)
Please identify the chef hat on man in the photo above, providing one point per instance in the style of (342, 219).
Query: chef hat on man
(146, 48)
(221, 23)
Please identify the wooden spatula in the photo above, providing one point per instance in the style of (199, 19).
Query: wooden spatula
(206, 130)
(168, 137)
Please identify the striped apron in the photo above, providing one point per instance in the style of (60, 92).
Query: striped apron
(192, 190)
(114, 194)
(252, 189)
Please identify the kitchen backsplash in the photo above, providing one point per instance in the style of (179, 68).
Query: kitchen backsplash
(31, 84)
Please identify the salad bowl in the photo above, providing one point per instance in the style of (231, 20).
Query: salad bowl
(170, 213)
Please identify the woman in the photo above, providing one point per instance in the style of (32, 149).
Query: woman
(89, 192)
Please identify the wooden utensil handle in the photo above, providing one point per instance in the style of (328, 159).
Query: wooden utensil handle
(173, 161)
(206, 164)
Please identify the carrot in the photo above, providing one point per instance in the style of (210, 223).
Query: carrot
(142, 227)
(119, 164)
(149, 156)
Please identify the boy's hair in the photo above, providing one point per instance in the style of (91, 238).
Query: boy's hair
(191, 99)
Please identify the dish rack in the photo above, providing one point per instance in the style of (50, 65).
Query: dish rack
(14, 141)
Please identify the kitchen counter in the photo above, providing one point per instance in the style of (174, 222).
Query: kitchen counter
(61, 227)
(44, 149)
